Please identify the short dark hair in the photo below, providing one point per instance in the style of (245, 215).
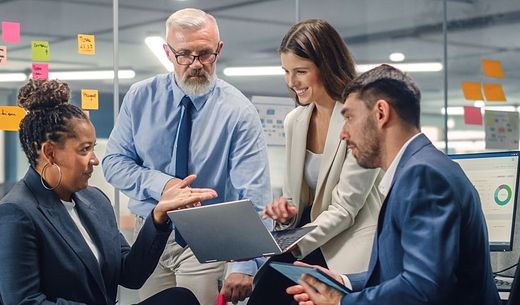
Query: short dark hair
(394, 86)
(48, 115)
(318, 41)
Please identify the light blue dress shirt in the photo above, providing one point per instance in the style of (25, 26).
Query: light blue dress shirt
(228, 152)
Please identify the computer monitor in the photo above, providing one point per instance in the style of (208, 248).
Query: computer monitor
(495, 176)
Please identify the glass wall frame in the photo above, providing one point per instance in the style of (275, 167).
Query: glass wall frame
(458, 34)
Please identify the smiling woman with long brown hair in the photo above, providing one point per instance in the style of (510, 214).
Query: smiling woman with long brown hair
(323, 185)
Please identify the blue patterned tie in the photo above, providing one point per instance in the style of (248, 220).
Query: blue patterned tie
(183, 150)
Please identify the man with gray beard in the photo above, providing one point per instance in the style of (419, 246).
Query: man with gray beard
(190, 122)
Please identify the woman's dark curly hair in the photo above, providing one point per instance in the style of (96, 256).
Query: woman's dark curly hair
(48, 115)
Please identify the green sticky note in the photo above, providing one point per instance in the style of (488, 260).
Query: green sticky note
(40, 50)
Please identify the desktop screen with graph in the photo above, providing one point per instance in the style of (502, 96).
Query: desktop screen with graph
(495, 176)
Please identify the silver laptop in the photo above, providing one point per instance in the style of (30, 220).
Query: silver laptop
(231, 231)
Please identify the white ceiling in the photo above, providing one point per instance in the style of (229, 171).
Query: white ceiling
(252, 30)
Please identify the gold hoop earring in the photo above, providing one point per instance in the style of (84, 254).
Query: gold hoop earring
(42, 177)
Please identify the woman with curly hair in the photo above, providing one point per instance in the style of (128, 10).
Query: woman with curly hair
(59, 238)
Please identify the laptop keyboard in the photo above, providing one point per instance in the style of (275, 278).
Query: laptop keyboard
(503, 284)
(286, 238)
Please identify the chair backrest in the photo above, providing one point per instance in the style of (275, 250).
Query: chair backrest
(514, 295)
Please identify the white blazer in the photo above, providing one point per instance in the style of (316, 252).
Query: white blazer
(346, 203)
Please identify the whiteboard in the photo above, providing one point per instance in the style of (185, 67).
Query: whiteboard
(272, 111)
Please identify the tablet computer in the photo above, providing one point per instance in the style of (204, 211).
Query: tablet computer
(294, 273)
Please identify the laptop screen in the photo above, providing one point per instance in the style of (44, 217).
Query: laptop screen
(495, 176)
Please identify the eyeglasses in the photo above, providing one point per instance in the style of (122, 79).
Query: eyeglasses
(188, 59)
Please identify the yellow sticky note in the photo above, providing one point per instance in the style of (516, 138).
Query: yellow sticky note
(492, 68)
(472, 91)
(494, 92)
(89, 99)
(10, 117)
(86, 44)
(40, 50)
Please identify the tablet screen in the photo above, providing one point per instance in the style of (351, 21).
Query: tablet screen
(294, 273)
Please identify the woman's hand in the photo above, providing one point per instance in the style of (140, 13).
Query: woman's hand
(178, 194)
(280, 210)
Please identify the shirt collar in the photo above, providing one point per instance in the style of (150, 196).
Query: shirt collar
(69, 204)
(388, 177)
(198, 101)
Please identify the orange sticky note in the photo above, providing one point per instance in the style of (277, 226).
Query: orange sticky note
(89, 99)
(3, 55)
(472, 91)
(40, 71)
(10, 117)
(86, 44)
(492, 68)
(494, 92)
(11, 32)
(472, 115)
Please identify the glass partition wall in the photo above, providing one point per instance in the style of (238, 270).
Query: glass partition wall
(444, 44)
(55, 25)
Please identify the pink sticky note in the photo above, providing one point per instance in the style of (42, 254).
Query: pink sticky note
(472, 115)
(40, 71)
(11, 32)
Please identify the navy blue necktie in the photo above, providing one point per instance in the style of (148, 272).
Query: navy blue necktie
(183, 151)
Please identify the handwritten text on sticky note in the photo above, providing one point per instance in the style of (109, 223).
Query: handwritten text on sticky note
(10, 117)
(3, 55)
(40, 50)
(40, 71)
(89, 99)
(86, 44)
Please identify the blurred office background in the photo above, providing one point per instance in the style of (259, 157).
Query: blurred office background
(445, 39)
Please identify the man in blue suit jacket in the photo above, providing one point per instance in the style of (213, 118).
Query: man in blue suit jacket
(431, 245)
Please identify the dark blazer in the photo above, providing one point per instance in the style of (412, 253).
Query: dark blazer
(431, 245)
(45, 259)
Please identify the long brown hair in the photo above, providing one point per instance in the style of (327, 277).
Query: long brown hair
(318, 41)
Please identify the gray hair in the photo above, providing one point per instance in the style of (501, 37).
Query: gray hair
(190, 19)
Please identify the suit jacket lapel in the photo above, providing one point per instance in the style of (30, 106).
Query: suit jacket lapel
(332, 143)
(56, 213)
(414, 146)
(298, 150)
(374, 256)
(97, 230)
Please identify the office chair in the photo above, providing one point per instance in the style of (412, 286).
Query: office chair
(514, 295)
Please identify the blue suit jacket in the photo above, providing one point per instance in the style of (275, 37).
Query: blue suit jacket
(431, 245)
(45, 260)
